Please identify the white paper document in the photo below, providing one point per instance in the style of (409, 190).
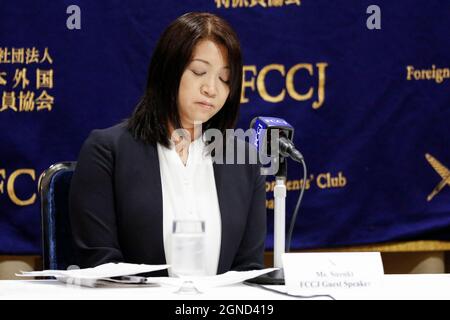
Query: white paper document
(100, 275)
(225, 279)
(121, 274)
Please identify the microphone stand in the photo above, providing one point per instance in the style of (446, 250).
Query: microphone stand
(279, 247)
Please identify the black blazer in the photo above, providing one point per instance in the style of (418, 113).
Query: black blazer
(115, 205)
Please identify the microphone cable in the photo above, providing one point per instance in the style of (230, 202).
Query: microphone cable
(289, 294)
(297, 206)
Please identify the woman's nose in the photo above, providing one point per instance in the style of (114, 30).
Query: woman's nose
(209, 88)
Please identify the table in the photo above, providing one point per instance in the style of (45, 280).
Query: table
(412, 286)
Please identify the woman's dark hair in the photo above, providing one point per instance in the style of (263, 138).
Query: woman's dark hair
(158, 107)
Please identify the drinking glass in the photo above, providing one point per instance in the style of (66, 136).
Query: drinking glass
(188, 252)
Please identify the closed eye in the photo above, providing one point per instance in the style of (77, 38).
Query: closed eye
(202, 73)
(198, 73)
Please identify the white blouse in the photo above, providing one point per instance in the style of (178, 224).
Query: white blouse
(189, 193)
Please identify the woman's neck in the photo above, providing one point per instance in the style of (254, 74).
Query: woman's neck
(188, 133)
(182, 138)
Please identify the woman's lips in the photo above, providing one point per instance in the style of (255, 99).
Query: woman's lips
(206, 105)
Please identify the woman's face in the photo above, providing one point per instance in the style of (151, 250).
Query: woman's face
(204, 85)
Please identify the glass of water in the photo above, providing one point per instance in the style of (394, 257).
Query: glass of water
(188, 252)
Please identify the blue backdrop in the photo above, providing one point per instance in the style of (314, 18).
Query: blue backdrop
(367, 105)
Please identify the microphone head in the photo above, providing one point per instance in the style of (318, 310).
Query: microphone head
(263, 126)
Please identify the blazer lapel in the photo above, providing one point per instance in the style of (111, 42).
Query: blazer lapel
(224, 258)
(155, 193)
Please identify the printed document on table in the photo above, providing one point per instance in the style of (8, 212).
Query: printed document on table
(107, 270)
(225, 279)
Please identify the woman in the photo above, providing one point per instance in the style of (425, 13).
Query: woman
(133, 179)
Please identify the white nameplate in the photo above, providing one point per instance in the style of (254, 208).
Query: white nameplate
(331, 273)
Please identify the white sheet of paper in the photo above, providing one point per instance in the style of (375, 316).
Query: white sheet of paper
(107, 270)
(225, 279)
(88, 277)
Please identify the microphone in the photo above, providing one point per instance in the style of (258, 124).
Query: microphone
(270, 131)
(274, 138)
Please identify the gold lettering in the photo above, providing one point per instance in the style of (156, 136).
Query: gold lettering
(239, 3)
(257, 2)
(410, 72)
(261, 85)
(10, 187)
(44, 101)
(3, 81)
(8, 101)
(290, 82)
(417, 74)
(225, 3)
(46, 57)
(436, 74)
(334, 182)
(275, 3)
(26, 101)
(342, 180)
(247, 84)
(320, 183)
(297, 2)
(423, 75)
(321, 90)
(44, 78)
(270, 204)
(325, 180)
(4, 53)
(3, 175)
(31, 55)
(272, 186)
(289, 185)
(18, 55)
(20, 77)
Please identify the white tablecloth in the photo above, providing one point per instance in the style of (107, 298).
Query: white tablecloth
(425, 286)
